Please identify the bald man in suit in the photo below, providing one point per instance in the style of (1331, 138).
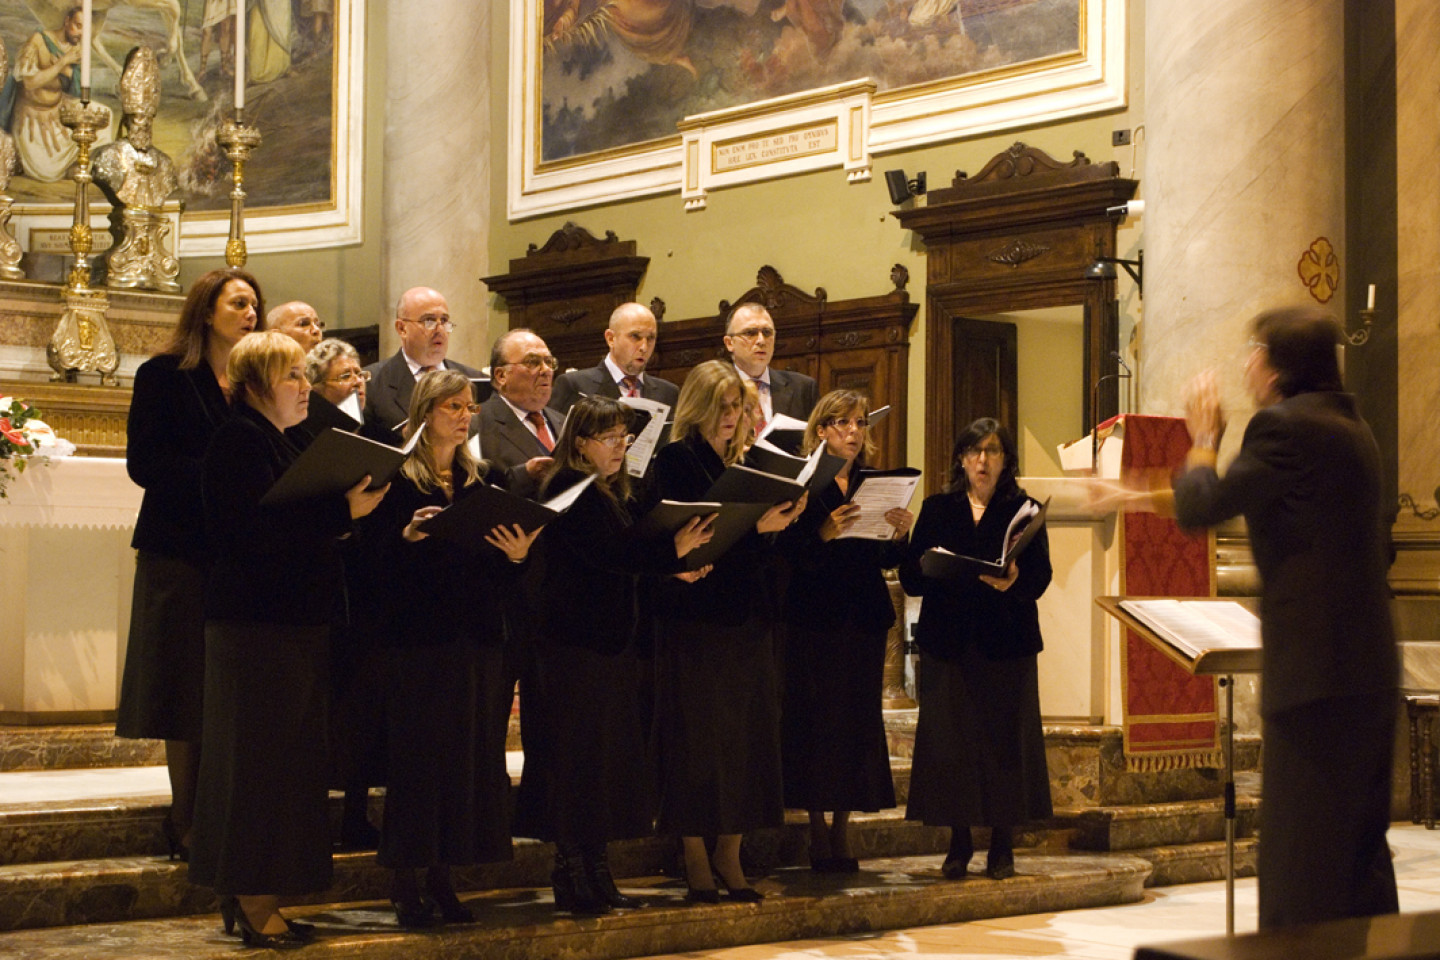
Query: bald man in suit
(517, 427)
(750, 338)
(631, 338)
(422, 319)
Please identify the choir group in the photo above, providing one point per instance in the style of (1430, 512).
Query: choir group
(332, 643)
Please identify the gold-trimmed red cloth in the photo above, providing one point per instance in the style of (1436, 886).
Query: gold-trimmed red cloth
(1170, 716)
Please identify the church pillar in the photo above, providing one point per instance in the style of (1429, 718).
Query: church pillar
(1243, 182)
(436, 170)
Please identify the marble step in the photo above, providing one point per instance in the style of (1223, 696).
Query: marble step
(519, 923)
(118, 888)
(1128, 828)
(73, 747)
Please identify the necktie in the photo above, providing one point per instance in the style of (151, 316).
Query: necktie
(542, 431)
(430, 369)
(762, 389)
(630, 386)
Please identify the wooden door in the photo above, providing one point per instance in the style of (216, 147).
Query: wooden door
(985, 375)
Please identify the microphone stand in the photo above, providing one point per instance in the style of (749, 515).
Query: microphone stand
(1095, 408)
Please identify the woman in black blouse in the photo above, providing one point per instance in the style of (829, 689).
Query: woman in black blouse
(440, 637)
(717, 697)
(179, 401)
(979, 747)
(591, 782)
(839, 612)
(261, 812)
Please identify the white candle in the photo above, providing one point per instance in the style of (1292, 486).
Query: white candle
(239, 54)
(1370, 298)
(85, 45)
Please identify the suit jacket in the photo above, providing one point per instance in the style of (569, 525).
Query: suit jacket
(508, 443)
(387, 401)
(1307, 479)
(173, 415)
(793, 394)
(1004, 625)
(597, 382)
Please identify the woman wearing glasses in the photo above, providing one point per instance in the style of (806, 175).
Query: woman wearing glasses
(590, 783)
(839, 612)
(261, 813)
(717, 698)
(979, 747)
(446, 797)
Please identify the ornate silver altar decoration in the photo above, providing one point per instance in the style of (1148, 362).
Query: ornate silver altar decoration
(238, 138)
(9, 247)
(82, 340)
(136, 178)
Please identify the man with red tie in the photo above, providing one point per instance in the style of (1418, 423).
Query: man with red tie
(631, 339)
(517, 429)
(750, 338)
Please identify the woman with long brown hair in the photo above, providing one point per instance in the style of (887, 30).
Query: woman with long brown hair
(179, 401)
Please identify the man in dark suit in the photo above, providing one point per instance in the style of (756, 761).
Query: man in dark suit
(750, 338)
(631, 338)
(1307, 480)
(517, 429)
(422, 319)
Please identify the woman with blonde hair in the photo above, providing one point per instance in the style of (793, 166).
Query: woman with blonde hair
(439, 646)
(838, 615)
(591, 783)
(262, 820)
(717, 697)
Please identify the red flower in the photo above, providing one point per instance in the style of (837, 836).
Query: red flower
(11, 434)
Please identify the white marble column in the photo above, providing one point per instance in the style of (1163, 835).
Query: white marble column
(436, 170)
(1245, 133)
(1417, 104)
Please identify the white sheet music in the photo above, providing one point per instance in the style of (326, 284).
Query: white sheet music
(637, 458)
(1196, 626)
(351, 405)
(876, 497)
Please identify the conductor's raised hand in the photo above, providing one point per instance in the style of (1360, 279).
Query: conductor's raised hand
(363, 502)
(412, 531)
(1204, 416)
(513, 541)
(696, 533)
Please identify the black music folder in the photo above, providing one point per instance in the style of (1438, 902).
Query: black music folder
(732, 522)
(742, 484)
(941, 564)
(334, 463)
(473, 516)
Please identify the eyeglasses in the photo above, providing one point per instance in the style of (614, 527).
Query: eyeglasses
(615, 442)
(975, 453)
(457, 407)
(534, 361)
(845, 423)
(431, 322)
(754, 333)
(349, 377)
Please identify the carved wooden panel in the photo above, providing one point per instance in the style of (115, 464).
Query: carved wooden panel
(1020, 235)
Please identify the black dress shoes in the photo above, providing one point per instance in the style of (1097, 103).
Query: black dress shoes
(1000, 866)
(694, 895)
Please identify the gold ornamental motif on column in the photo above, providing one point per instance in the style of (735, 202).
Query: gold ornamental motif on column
(1319, 270)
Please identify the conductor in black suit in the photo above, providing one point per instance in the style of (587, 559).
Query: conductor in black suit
(750, 338)
(422, 319)
(1307, 480)
(631, 338)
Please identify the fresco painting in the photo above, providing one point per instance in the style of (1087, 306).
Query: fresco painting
(292, 65)
(616, 73)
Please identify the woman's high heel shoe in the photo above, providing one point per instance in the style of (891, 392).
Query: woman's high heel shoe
(178, 850)
(597, 868)
(228, 906)
(288, 940)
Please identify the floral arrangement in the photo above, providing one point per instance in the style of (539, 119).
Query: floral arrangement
(22, 435)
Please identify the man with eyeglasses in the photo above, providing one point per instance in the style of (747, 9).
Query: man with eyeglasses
(750, 338)
(299, 321)
(422, 319)
(516, 426)
(631, 338)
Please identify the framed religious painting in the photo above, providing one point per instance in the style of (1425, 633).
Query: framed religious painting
(612, 99)
(304, 92)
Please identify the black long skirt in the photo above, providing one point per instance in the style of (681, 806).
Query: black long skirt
(591, 782)
(834, 748)
(718, 725)
(162, 690)
(494, 693)
(430, 716)
(979, 746)
(261, 811)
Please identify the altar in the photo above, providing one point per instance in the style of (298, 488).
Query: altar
(67, 569)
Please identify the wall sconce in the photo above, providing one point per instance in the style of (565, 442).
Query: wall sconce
(902, 189)
(1103, 268)
(1367, 317)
